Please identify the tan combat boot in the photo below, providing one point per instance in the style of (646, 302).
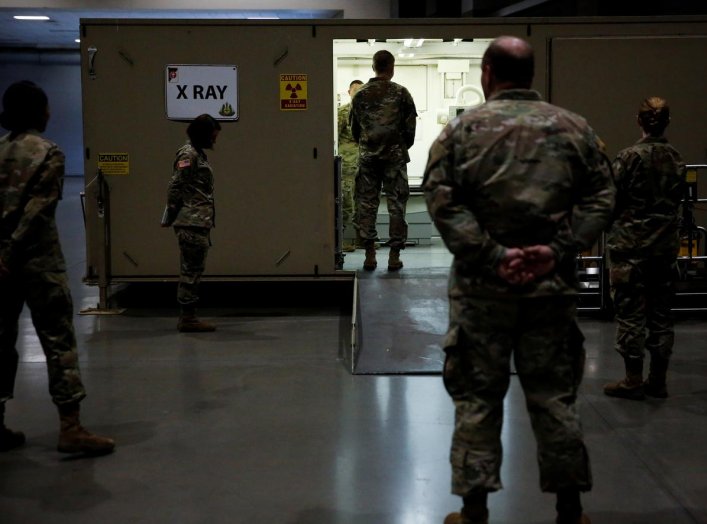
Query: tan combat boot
(9, 439)
(474, 511)
(630, 387)
(74, 438)
(189, 323)
(394, 262)
(370, 263)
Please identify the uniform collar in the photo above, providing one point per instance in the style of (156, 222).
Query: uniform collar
(516, 94)
(653, 140)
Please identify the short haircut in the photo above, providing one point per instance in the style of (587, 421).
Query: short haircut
(354, 83)
(24, 107)
(654, 115)
(383, 61)
(511, 60)
(201, 129)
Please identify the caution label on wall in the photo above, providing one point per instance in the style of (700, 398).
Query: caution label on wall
(114, 163)
(293, 92)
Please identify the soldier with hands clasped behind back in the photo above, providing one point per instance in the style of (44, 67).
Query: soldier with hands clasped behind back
(32, 266)
(516, 186)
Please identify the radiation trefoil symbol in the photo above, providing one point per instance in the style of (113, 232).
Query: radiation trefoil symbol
(293, 89)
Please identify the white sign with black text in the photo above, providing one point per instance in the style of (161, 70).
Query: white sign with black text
(192, 90)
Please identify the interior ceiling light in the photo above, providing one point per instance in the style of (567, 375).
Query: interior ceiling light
(31, 17)
(413, 42)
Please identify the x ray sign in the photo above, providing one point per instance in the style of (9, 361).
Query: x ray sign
(191, 90)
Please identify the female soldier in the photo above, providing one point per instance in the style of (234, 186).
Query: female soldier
(643, 245)
(190, 210)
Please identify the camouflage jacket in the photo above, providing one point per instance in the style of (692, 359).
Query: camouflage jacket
(383, 121)
(513, 172)
(650, 178)
(348, 147)
(31, 183)
(190, 197)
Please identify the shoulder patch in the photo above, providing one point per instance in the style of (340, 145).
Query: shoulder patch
(182, 164)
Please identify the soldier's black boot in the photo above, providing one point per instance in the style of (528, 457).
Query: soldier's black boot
(189, 323)
(394, 262)
(74, 438)
(9, 439)
(370, 263)
(630, 387)
(655, 385)
(473, 512)
(569, 508)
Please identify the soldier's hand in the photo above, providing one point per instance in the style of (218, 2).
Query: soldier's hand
(512, 267)
(539, 260)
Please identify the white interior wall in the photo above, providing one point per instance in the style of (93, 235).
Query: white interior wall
(421, 76)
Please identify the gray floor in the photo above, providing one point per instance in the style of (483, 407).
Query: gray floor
(261, 423)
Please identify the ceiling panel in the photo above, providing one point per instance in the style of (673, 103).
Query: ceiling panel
(61, 31)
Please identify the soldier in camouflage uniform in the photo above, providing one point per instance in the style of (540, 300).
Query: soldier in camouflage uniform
(501, 184)
(348, 151)
(383, 123)
(190, 210)
(32, 267)
(643, 245)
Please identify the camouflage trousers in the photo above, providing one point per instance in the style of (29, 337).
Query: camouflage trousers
(49, 301)
(642, 292)
(542, 335)
(193, 248)
(372, 175)
(349, 168)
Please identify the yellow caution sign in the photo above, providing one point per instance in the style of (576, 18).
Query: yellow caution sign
(114, 163)
(293, 92)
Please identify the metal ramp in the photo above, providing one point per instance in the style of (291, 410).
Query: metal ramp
(399, 322)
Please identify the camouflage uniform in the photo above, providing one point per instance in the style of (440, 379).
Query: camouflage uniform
(31, 181)
(643, 244)
(190, 210)
(508, 174)
(348, 150)
(383, 123)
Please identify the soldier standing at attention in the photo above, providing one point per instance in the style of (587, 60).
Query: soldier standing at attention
(643, 245)
(190, 210)
(348, 150)
(383, 123)
(32, 266)
(501, 184)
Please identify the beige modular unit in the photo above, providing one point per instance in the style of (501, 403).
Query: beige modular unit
(274, 169)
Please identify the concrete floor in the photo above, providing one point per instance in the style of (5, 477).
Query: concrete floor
(261, 423)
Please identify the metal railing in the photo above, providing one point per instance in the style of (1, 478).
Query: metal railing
(691, 284)
(692, 261)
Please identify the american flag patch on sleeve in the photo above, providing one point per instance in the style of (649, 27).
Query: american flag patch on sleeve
(183, 163)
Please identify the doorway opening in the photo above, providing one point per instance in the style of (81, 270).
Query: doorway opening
(443, 77)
